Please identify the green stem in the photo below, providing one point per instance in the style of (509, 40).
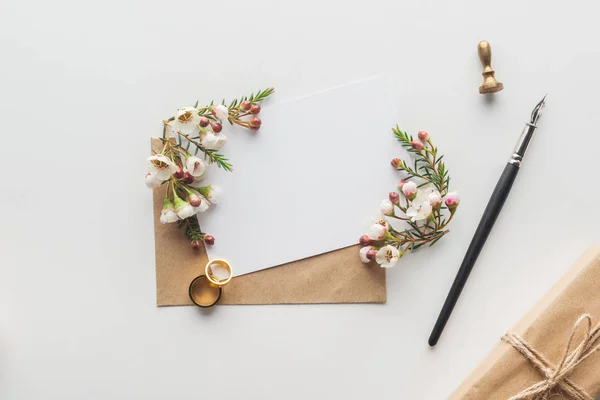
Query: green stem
(199, 146)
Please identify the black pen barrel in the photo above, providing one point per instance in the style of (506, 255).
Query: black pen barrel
(481, 234)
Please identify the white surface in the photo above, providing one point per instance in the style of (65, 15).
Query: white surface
(299, 179)
(84, 86)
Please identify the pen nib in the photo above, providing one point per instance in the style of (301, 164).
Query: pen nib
(536, 114)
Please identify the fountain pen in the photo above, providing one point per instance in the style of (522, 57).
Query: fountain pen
(488, 219)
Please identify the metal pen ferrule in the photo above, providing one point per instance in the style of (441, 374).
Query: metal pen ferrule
(522, 144)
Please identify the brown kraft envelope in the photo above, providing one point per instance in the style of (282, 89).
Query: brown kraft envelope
(335, 277)
(505, 372)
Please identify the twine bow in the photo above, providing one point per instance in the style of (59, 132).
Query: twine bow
(556, 377)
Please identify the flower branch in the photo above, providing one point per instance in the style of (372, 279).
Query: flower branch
(424, 190)
(210, 154)
(192, 131)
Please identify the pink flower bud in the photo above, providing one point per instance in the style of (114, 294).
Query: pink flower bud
(435, 199)
(396, 162)
(178, 173)
(255, 109)
(204, 122)
(394, 198)
(220, 112)
(195, 200)
(216, 127)
(367, 254)
(387, 208)
(255, 123)
(401, 183)
(363, 254)
(245, 105)
(409, 189)
(188, 178)
(365, 240)
(417, 145)
(372, 254)
(196, 244)
(452, 200)
(209, 240)
(423, 135)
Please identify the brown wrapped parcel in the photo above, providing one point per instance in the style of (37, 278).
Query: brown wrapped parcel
(546, 328)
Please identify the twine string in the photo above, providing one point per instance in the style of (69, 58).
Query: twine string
(556, 378)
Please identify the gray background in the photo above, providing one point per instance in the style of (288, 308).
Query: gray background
(85, 84)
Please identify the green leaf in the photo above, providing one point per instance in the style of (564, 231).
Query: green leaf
(416, 246)
(435, 240)
(219, 159)
(192, 228)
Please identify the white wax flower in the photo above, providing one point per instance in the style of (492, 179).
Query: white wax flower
(221, 112)
(211, 141)
(195, 166)
(183, 208)
(363, 254)
(161, 167)
(168, 216)
(186, 121)
(421, 208)
(387, 256)
(168, 213)
(152, 181)
(214, 194)
(376, 231)
(186, 212)
(202, 207)
(419, 212)
(387, 208)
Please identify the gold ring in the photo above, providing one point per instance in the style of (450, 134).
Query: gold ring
(213, 279)
(202, 293)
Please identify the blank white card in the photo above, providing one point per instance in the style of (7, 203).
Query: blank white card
(309, 181)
